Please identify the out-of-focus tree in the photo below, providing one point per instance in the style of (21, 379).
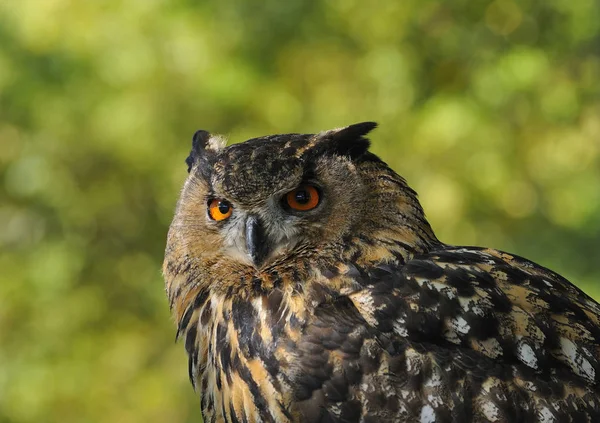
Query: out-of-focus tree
(490, 109)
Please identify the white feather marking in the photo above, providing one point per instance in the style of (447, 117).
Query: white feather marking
(427, 414)
(490, 411)
(577, 361)
(461, 325)
(546, 415)
(527, 355)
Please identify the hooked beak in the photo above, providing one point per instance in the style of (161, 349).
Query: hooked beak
(256, 242)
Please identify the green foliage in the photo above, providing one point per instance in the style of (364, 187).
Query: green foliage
(491, 110)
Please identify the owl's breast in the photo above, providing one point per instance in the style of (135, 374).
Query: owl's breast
(239, 358)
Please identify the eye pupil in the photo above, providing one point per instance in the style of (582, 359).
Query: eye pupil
(302, 197)
(223, 207)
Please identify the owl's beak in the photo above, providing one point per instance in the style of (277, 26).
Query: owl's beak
(256, 242)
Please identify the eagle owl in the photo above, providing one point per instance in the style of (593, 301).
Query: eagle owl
(309, 287)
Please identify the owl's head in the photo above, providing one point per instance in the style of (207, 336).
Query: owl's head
(267, 199)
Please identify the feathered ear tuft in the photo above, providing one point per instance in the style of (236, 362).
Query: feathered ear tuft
(348, 141)
(203, 144)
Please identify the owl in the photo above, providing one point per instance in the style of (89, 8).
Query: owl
(308, 286)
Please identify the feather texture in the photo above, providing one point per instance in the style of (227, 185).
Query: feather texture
(367, 317)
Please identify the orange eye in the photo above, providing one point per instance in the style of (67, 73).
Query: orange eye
(219, 209)
(303, 198)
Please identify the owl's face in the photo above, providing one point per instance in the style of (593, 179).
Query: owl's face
(261, 201)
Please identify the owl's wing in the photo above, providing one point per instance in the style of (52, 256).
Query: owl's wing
(460, 334)
(502, 306)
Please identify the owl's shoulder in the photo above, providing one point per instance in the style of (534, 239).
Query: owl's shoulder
(499, 305)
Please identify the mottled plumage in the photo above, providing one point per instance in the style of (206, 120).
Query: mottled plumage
(353, 311)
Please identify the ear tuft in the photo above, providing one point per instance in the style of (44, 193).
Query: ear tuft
(202, 143)
(353, 132)
(348, 141)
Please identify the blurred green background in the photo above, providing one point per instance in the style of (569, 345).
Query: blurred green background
(490, 109)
